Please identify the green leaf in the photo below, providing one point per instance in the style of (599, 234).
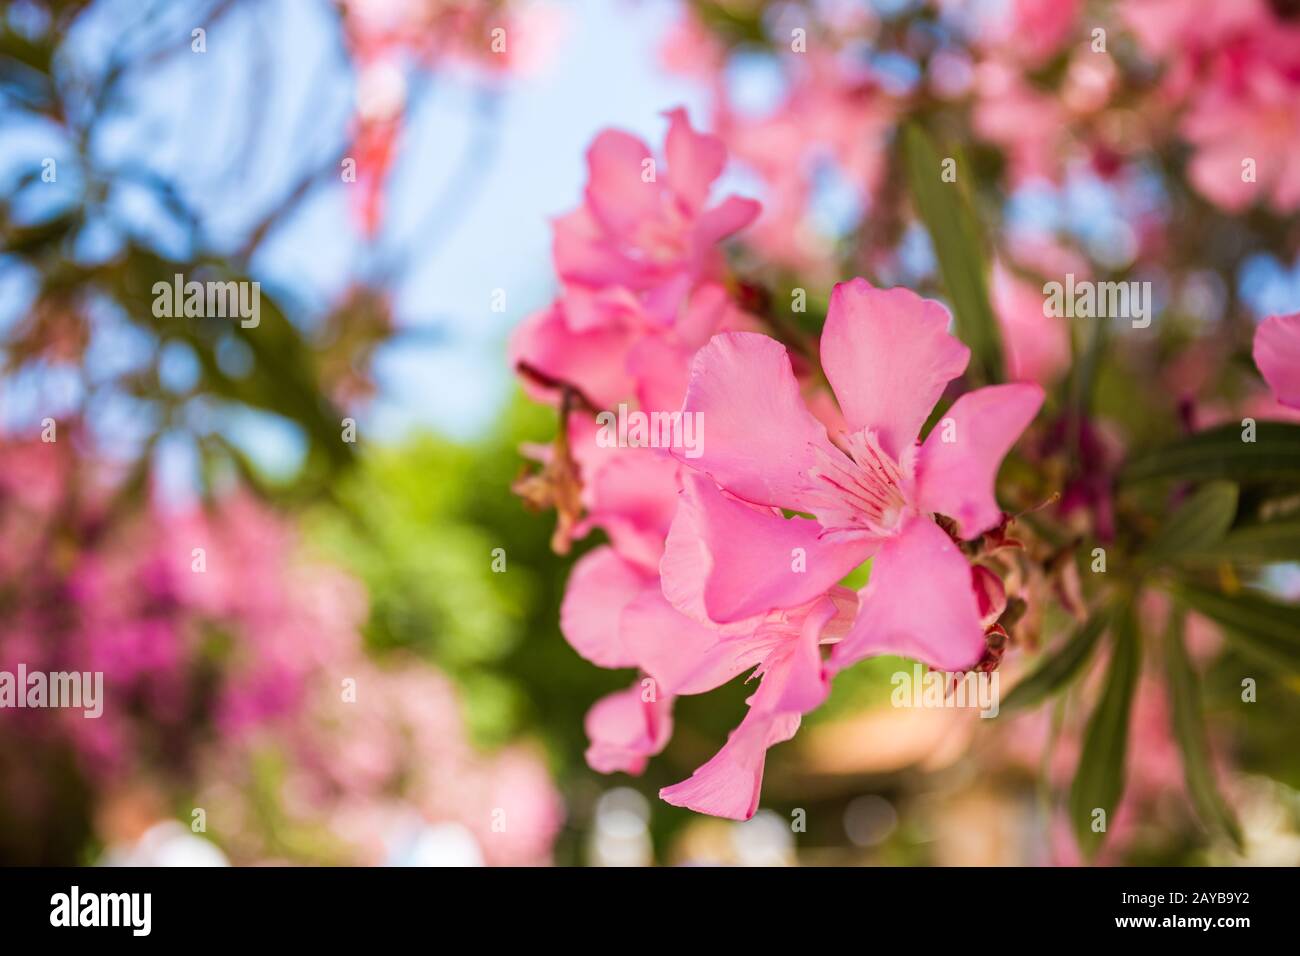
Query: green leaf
(1099, 779)
(1200, 521)
(1274, 455)
(1189, 731)
(1255, 544)
(1266, 629)
(1059, 669)
(946, 211)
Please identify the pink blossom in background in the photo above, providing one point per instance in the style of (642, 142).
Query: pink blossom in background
(1166, 27)
(436, 33)
(1028, 123)
(1234, 70)
(218, 661)
(1277, 355)
(834, 113)
(1037, 346)
(123, 597)
(1031, 31)
(1038, 29)
(389, 774)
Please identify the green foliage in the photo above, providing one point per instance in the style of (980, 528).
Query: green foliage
(946, 210)
(1220, 452)
(1100, 777)
(1189, 731)
(1266, 629)
(420, 524)
(1201, 521)
(1263, 543)
(1057, 671)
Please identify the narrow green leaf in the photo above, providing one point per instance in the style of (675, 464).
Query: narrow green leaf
(1264, 628)
(1264, 543)
(1220, 452)
(1059, 669)
(1189, 731)
(1200, 521)
(945, 208)
(1099, 779)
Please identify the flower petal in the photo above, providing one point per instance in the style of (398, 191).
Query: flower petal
(758, 436)
(725, 560)
(629, 492)
(958, 464)
(594, 362)
(729, 216)
(684, 656)
(600, 586)
(582, 252)
(661, 370)
(799, 683)
(625, 730)
(695, 160)
(1277, 355)
(728, 785)
(888, 355)
(616, 193)
(918, 603)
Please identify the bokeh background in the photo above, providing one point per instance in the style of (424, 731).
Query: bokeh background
(349, 680)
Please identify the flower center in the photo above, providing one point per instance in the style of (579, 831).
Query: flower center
(860, 490)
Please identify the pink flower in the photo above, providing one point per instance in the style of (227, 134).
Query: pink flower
(645, 229)
(640, 266)
(786, 646)
(1251, 114)
(609, 348)
(1164, 27)
(744, 588)
(1024, 121)
(615, 615)
(834, 115)
(872, 491)
(1236, 67)
(627, 728)
(1277, 354)
(629, 493)
(1037, 347)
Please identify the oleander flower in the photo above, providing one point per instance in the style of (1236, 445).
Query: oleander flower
(871, 490)
(615, 615)
(1277, 355)
(640, 270)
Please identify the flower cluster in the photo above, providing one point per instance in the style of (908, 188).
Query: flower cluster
(706, 576)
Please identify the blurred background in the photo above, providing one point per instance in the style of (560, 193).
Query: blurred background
(280, 544)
